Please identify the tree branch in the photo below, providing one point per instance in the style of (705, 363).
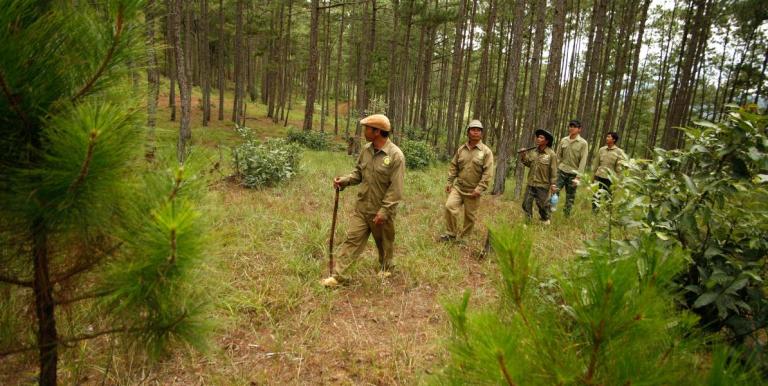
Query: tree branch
(85, 296)
(10, 280)
(107, 59)
(13, 101)
(86, 163)
(86, 265)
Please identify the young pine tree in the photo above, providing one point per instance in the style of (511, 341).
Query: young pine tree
(79, 232)
(611, 319)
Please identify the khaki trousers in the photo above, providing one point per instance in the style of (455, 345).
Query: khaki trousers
(360, 227)
(453, 206)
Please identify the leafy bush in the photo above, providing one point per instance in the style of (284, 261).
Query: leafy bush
(611, 319)
(264, 164)
(314, 140)
(712, 199)
(418, 154)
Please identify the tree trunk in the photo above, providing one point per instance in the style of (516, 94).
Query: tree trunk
(205, 54)
(309, 108)
(464, 87)
(540, 13)
(47, 336)
(455, 77)
(237, 103)
(222, 60)
(594, 68)
(635, 61)
(153, 77)
(510, 89)
(552, 82)
(480, 110)
(338, 74)
(185, 134)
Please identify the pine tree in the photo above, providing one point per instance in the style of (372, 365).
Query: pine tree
(79, 232)
(609, 319)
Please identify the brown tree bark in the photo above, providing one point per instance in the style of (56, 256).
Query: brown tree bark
(510, 90)
(237, 103)
(309, 108)
(175, 17)
(552, 82)
(455, 77)
(221, 59)
(153, 76)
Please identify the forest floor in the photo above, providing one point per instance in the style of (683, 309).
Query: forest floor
(267, 252)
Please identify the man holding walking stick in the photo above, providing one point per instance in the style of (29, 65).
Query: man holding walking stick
(380, 171)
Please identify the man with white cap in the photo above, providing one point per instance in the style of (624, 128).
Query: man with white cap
(469, 175)
(380, 171)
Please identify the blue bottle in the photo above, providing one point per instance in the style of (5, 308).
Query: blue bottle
(553, 200)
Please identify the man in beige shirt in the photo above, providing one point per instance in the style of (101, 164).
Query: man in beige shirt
(380, 171)
(608, 163)
(572, 152)
(469, 175)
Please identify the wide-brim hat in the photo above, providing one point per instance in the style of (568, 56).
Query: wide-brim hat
(377, 121)
(546, 135)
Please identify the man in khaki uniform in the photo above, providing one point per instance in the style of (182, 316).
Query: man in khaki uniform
(608, 161)
(572, 152)
(542, 176)
(380, 171)
(469, 175)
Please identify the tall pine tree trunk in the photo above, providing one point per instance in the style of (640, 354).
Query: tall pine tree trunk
(175, 17)
(153, 77)
(510, 90)
(552, 81)
(309, 108)
(455, 77)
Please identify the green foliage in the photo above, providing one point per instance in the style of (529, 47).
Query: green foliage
(313, 140)
(159, 297)
(711, 199)
(75, 218)
(610, 319)
(265, 164)
(418, 154)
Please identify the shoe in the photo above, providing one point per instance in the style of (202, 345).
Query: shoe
(446, 237)
(383, 274)
(546, 222)
(329, 282)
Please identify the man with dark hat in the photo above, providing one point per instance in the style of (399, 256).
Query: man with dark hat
(380, 170)
(542, 176)
(469, 175)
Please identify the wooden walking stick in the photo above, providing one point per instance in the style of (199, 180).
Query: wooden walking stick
(333, 232)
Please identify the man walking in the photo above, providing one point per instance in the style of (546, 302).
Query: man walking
(380, 170)
(469, 175)
(572, 152)
(608, 161)
(542, 176)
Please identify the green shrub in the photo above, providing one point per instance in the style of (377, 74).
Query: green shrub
(265, 164)
(712, 199)
(418, 154)
(314, 140)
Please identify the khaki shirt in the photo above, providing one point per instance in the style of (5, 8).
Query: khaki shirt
(471, 169)
(381, 175)
(572, 155)
(543, 166)
(607, 160)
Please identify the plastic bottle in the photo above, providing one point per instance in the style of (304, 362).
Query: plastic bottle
(553, 200)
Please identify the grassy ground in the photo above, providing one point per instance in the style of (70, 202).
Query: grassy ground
(276, 325)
